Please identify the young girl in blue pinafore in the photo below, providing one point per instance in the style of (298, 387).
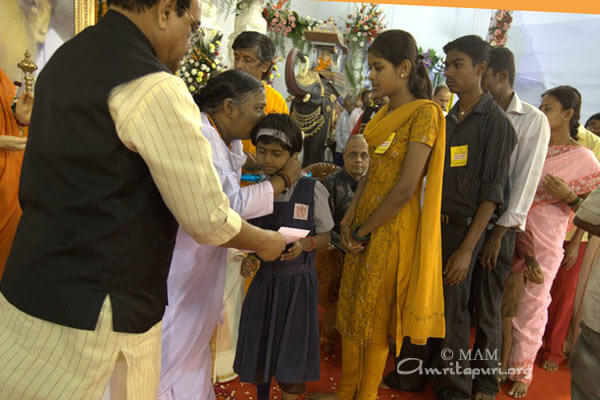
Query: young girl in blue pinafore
(279, 333)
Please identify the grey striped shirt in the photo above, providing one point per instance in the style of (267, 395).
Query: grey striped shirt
(480, 170)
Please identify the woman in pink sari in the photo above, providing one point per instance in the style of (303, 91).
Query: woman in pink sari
(570, 170)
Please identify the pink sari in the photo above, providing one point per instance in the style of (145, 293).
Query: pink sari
(548, 221)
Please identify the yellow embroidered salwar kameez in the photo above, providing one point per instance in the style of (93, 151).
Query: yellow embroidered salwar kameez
(395, 286)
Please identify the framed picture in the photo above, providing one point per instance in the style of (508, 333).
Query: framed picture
(40, 27)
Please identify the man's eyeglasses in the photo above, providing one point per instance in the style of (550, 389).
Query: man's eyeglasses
(195, 22)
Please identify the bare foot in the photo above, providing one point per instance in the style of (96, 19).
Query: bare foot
(484, 396)
(518, 390)
(503, 375)
(550, 365)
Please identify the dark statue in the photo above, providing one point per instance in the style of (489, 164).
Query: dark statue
(315, 91)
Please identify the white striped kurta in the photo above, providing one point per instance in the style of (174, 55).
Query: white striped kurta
(44, 360)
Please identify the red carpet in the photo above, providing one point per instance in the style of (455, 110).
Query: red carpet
(546, 385)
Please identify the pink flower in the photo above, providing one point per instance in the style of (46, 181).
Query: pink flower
(498, 32)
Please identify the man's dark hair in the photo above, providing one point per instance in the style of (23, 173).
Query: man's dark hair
(502, 58)
(592, 118)
(142, 5)
(265, 49)
(472, 45)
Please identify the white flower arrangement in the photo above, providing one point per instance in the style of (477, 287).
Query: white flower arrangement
(201, 61)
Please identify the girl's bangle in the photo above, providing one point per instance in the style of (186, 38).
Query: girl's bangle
(358, 238)
(572, 193)
(574, 202)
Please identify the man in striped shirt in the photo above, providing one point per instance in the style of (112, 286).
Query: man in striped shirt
(479, 142)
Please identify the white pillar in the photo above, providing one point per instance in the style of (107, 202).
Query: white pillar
(249, 19)
(209, 18)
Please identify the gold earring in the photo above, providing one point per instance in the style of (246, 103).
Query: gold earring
(403, 76)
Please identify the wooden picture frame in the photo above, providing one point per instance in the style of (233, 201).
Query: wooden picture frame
(85, 14)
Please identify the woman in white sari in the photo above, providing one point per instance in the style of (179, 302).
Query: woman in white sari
(231, 105)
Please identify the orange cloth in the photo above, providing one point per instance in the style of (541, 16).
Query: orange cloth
(275, 104)
(10, 170)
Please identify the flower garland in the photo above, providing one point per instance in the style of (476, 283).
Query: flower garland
(274, 70)
(283, 22)
(362, 27)
(201, 61)
(499, 25)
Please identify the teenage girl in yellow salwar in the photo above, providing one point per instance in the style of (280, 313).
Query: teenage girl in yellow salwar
(392, 279)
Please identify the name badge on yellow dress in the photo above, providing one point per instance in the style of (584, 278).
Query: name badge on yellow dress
(382, 148)
(459, 155)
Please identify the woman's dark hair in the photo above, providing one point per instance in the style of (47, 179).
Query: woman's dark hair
(569, 98)
(142, 5)
(231, 84)
(265, 49)
(396, 46)
(592, 118)
(472, 45)
(502, 58)
(283, 123)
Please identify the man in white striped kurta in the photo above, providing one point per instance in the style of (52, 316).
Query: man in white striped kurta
(156, 118)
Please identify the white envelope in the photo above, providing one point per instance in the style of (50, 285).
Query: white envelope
(293, 234)
(290, 235)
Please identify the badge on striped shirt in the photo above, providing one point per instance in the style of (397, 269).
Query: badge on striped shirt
(459, 155)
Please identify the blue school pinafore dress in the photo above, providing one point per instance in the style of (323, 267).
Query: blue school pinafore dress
(279, 327)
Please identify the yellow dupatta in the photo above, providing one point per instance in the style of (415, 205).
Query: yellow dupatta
(423, 312)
